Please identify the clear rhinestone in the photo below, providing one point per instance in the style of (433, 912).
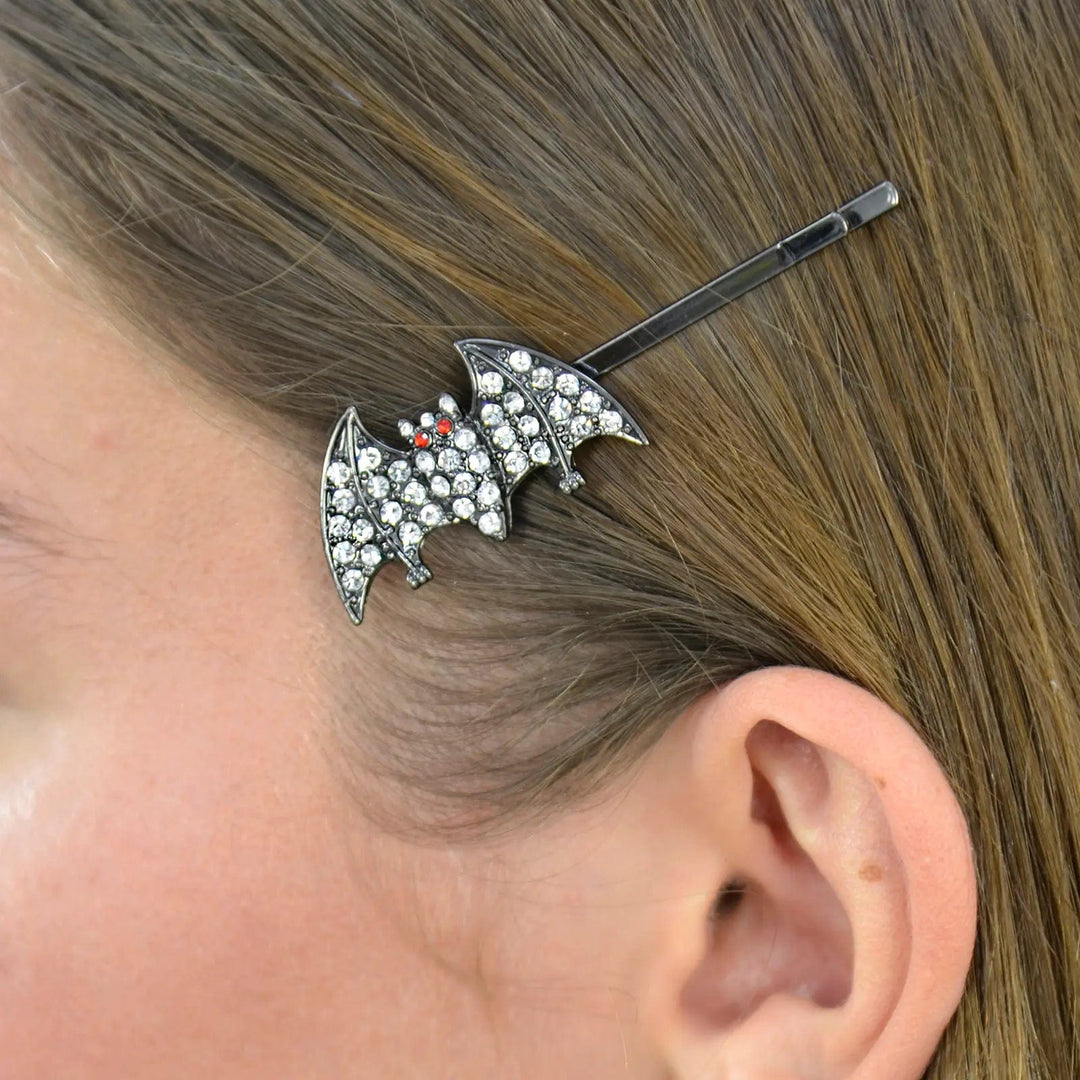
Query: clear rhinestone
(479, 461)
(464, 483)
(489, 523)
(559, 408)
(492, 414)
(410, 533)
(368, 458)
(407, 428)
(450, 459)
(464, 438)
(610, 422)
(353, 580)
(425, 461)
(488, 494)
(513, 402)
(440, 486)
(339, 473)
(414, 492)
(504, 437)
(344, 553)
(362, 530)
(343, 500)
(378, 487)
(581, 426)
(448, 404)
(370, 555)
(399, 471)
(463, 507)
(567, 384)
(430, 514)
(528, 426)
(491, 382)
(540, 452)
(337, 528)
(515, 462)
(519, 361)
(390, 512)
(427, 419)
(542, 378)
(591, 402)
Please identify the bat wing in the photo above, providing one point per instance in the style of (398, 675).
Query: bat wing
(535, 409)
(357, 540)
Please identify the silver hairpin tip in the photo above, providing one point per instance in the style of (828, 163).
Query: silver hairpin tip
(870, 204)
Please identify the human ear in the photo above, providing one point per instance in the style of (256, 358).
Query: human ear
(838, 943)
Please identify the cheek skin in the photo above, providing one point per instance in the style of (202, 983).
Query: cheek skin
(156, 897)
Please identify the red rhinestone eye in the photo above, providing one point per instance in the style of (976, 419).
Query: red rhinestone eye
(444, 426)
(421, 438)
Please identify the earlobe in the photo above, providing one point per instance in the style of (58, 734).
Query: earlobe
(845, 951)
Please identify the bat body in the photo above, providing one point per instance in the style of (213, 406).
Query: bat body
(529, 411)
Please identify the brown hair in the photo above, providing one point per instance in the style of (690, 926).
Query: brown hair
(870, 466)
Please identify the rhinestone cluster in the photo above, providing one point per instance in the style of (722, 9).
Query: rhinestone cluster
(533, 407)
(454, 462)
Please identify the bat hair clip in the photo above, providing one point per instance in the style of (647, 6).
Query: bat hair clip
(529, 410)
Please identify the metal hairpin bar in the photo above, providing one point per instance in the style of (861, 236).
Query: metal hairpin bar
(739, 280)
